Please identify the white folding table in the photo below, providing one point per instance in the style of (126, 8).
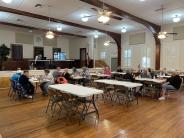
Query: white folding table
(82, 93)
(129, 85)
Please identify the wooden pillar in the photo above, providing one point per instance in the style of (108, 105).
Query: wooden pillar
(157, 52)
(117, 39)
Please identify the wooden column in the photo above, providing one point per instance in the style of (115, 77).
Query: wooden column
(117, 39)
(157, 52)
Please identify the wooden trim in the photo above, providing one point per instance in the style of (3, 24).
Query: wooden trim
(40, 29)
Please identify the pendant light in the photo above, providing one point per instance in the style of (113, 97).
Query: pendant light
(162, 34)
(49, 34)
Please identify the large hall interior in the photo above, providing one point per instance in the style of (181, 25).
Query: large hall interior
(91, 68)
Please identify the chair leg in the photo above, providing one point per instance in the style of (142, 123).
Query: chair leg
(47, 106)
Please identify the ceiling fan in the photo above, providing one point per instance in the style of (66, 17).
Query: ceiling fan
(104, 15)
(163, 34)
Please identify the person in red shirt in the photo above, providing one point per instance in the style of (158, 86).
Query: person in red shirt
(107, 71)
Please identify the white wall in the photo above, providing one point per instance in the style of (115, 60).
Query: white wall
(110, 51)
(76, 44)
(172, 51)
(7, 36)
(139, 51)
(63, 43)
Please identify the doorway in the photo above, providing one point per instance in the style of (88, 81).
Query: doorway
(38, 51)
(114, 64)
(83, 58)
(16, 52)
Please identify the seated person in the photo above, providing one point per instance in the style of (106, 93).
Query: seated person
(128, 77)
(173, 83)
(65, 74)
(74, 71)
(15, 77)
(26, 84)
(46, 80)
(107, 71)
(119, 69)
(162, 72)
(145, 74)
(86, 75)
(151, 73)
(57, 74)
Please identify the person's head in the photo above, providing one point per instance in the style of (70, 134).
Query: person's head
(66, 70)
(84, 69)
(74, 69)
(149, 70)
(26, 73)
(58, 69)
(107, 68)
(46, 71)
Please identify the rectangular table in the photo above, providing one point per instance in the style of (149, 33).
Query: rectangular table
(156, 84)
(131, 87)
(81, 92)
(120, 83)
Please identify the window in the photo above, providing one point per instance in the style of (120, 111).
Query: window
(127, 57)
(146, 62)
(102, 55)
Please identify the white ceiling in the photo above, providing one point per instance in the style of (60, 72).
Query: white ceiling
(146, 9)
(71, 10)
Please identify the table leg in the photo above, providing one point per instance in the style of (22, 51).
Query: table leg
(96, 110)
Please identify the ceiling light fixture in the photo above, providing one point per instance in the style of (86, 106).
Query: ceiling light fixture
(59, 28)
(84, 17)
(124, 30)
(104, 18)
(7, 1)
(96, 36)
(49, 35)
(176, 19)
(106, 43)
(141, 0)
(162, 35)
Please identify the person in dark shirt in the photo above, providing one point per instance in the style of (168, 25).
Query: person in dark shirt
(128, 77)
(119, 69)
(173, 83)
(26, 84)
(65, 74)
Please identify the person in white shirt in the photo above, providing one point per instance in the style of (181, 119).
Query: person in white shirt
(46, 80)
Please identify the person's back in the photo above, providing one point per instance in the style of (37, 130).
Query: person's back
(66, 75)
(145, 74)
(175, 81)
(128, 77)
(57, 73)
(15, 77)
(24, 80)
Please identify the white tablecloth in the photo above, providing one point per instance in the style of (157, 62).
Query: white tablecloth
(76, 90)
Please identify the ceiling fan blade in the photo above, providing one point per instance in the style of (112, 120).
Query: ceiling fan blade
(94, 9)
(172, 33)
(88, 16)
(116, 17)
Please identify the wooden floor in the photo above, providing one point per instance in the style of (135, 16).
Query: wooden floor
(149, 119)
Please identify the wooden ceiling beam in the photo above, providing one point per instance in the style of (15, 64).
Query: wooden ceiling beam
(42, 17)
(40, 29)
(151, 26)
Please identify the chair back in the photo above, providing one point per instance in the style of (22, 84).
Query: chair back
(61, 80)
